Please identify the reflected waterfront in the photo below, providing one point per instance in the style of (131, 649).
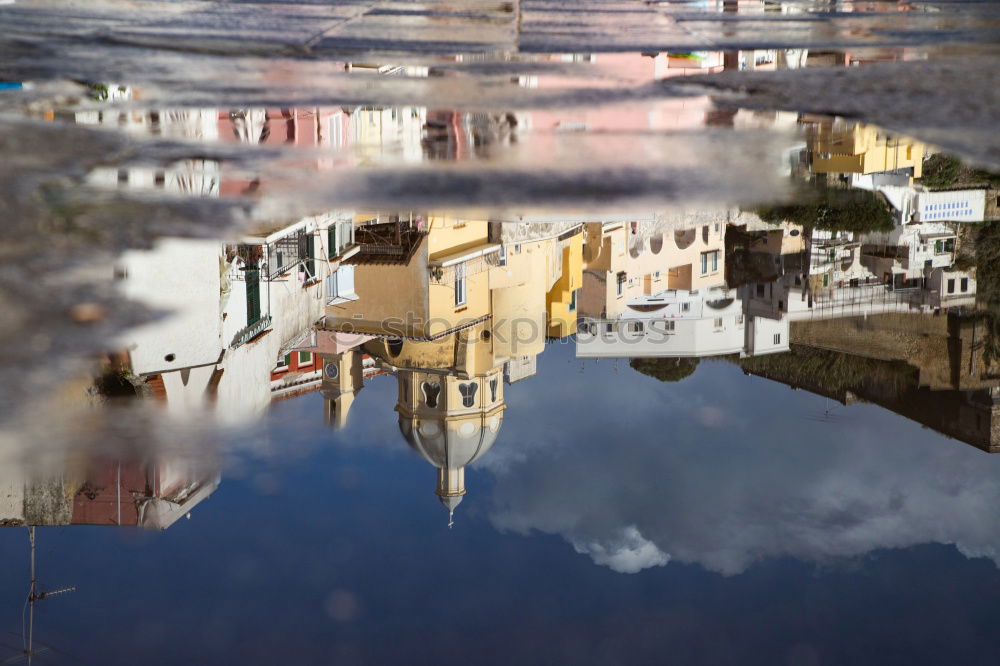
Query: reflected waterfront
(510, 333)
(862, 291)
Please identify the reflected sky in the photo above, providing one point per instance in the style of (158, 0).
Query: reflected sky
(821, 531)
(379, 332)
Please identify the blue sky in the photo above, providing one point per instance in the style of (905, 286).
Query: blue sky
(616, 520)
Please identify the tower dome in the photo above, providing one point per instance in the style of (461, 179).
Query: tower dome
(451, 422)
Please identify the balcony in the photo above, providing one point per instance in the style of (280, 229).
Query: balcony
(250, 332)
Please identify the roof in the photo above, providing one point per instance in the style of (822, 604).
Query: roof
(454, 444)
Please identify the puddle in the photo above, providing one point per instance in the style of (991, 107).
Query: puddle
(358, 324)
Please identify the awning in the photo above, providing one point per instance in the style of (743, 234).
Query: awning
(465, 255)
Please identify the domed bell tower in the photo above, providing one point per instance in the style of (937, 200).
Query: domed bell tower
(342, 380)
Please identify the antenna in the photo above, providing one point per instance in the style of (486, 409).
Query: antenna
(35, 594)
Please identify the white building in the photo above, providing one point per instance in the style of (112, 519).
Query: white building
(950, 206)
(677, 323)
(915, 203)
(909, 250)
(230, 314)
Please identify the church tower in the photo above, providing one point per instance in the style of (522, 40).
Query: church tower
(342, 380)
(451, 422)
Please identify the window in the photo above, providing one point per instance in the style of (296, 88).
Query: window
(284, 361)
(685, 307)
(964, 284)
(572, 301)
(709, 261)
(739, 319)
(337, 131)
(468, 392)
(493, 389)
(635, 327)
(305, 358)
(340, 284)
(460, 287)
(620, 283)
(777, 338)
(340, 235)
(760, 290)
(431, 392)
(826, 280)
(718, 322)
(951, 285)
(656, 275)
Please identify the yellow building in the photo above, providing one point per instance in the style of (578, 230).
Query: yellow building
(417, 278)
(342, 380)
(622, 265)
(447, 308)
(837, 146)
(561, 299)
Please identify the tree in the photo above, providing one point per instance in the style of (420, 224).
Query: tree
(665, 369)
(943, 171)
(835, 209)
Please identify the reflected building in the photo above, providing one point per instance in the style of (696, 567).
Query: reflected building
(664, 294)
(893, 312)
(152, 493)
(194, 177)
(860, 154)
(453, 308)
(842, 274)
(241, 314)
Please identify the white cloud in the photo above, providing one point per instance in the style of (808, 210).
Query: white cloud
(648, 486)
(629, 552)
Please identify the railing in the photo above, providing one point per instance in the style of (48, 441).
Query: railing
(383, 249)
(252, 331)
(446, 274)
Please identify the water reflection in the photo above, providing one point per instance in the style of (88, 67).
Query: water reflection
(457, 310)
(583, 281)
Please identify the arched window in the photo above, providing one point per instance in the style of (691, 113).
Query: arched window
(431, 392)
(493, 389)
(468, 392)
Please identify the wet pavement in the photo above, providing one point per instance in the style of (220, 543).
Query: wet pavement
(604, 332)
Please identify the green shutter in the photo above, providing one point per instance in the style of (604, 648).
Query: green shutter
(310, 255)
(253, 296)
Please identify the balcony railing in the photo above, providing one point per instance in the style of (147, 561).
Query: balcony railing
(252, 331)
